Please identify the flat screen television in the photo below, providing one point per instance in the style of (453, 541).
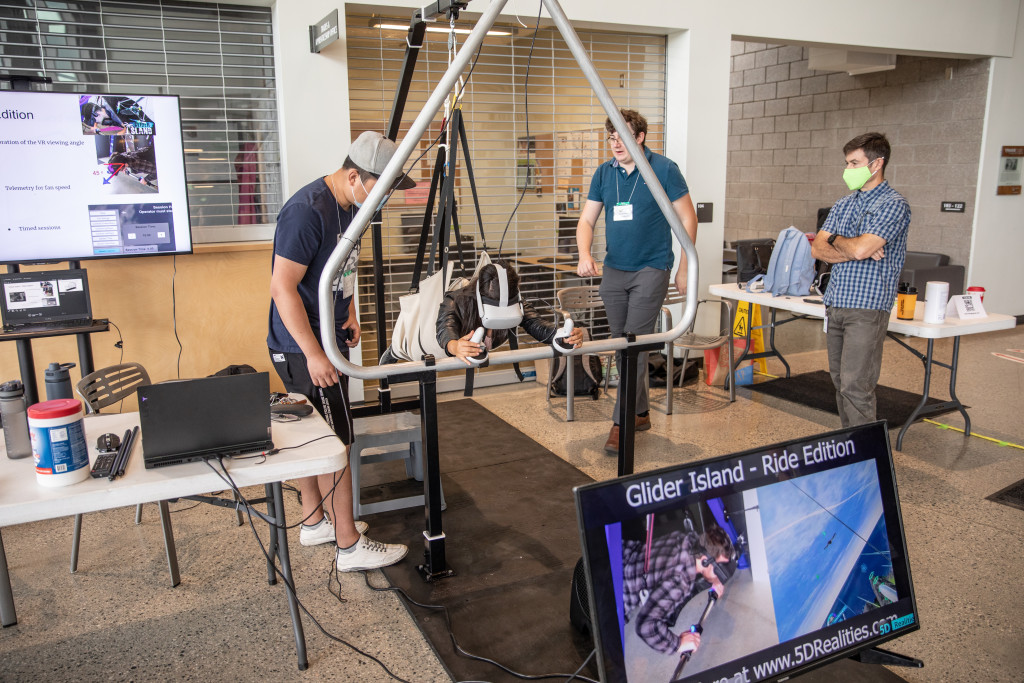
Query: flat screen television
(91, 175)
(815, 567)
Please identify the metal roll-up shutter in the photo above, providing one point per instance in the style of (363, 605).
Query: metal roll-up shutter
(542, 131)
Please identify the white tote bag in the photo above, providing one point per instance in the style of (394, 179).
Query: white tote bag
(415, 332)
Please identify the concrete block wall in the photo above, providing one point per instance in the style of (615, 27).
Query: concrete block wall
(788, 124)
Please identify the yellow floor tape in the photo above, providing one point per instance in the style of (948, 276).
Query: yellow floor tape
(1000, 442)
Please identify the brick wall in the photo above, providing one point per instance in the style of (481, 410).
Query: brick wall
(787, 127)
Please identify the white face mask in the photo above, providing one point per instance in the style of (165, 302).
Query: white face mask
(359, 204)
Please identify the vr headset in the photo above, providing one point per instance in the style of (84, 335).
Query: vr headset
(723, 570)
(502, 313)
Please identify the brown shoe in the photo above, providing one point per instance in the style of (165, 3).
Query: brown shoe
(643, 423)
(612, 444)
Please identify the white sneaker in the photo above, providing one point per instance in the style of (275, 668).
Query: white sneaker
(370, 555)
(324, 533)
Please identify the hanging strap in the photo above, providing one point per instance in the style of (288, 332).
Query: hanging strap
(472, 177)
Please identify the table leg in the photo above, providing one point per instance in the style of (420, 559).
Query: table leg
(952, 387)
(272, 546)
(280, 530)
(172, 551)
(7, 613)
(27, 365)
(770, 350)
(76, 537)
(771, 341)
(924, 395)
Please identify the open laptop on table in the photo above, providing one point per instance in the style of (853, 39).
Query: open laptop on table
(195, 419)
(44, 301)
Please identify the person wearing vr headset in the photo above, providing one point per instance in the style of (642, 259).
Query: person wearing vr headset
(635, 278)
(491, 300)
(308, 229)
(657, 582)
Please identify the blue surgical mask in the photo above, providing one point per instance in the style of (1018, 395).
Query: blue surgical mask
(359, 204)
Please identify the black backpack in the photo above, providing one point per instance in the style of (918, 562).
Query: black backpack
(586, 376)
(752, 258)
(657, 370)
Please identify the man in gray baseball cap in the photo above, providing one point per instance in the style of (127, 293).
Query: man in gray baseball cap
(371, 152)
(308, 229)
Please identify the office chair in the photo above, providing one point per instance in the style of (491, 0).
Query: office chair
(572, 302)
(689, 341)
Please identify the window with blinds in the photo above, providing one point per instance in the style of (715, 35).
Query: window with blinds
(535, 130)
(218, 58)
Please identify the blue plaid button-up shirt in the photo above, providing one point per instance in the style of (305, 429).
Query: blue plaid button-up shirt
(868, 283)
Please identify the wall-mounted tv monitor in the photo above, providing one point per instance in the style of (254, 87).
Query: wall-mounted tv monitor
(804, 538)
(91, 175)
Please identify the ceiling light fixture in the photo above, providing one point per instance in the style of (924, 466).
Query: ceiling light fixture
(434, 29)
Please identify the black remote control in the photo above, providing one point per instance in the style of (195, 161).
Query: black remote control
(103, 465)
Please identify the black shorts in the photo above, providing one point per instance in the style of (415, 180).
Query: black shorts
(331, 402)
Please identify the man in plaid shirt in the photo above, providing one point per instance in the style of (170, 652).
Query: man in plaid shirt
(865, 237)
(662, 579)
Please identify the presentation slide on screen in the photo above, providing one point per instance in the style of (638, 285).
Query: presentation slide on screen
(91, 175)
(24, 296)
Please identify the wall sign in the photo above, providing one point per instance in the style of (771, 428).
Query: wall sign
(1011, 168)
(705, 212)
(953, 207)
(324, 32)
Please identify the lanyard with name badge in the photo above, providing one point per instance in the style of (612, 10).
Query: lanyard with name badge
(623, 211)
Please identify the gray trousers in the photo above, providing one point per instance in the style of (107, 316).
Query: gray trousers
(632, 301)
(854, 340)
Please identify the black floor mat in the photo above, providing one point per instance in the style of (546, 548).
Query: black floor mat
(512, 540)
(815, 390)
(1012, 495)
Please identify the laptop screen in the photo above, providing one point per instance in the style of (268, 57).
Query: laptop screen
(45, 297)
(188, 420)
(804, 540)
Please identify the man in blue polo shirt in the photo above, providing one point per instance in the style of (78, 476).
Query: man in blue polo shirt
(865, 237)
(639, 248)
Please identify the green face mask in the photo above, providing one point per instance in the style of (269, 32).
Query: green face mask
(855, 178)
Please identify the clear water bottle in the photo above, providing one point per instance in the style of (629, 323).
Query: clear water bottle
(12, 408)
(58, 381)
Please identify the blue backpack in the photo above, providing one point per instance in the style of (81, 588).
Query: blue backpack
(791, 268)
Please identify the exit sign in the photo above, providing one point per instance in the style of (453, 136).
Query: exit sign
(953, 207)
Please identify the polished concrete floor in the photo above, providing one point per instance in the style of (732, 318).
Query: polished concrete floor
(118, 619)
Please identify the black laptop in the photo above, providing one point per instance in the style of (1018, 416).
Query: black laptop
(45, 300)
(195, 419)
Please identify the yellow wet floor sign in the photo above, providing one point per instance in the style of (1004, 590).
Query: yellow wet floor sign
(739, 330)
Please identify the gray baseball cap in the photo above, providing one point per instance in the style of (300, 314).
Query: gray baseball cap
(371, 152)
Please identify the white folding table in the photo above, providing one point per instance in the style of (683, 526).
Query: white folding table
(23, 500)
(801, 308)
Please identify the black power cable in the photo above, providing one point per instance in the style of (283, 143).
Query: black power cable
(226, 476)
(469, 655)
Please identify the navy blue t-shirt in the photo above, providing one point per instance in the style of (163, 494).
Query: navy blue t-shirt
(308, 229)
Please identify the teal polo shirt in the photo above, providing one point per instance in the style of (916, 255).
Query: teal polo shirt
(646, 240)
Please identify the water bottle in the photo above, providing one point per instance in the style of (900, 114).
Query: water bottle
(58, 381)
(12, 408)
